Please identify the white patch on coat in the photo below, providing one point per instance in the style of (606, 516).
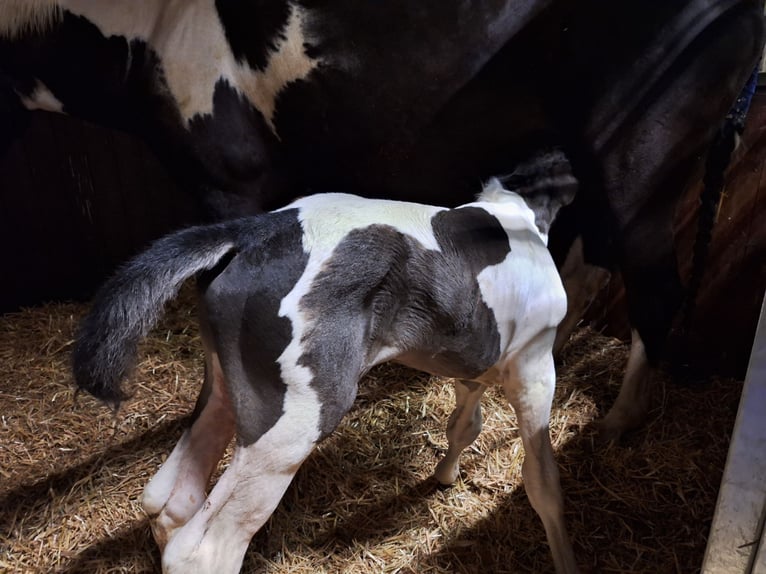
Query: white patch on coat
(18, 17)
(42, 98)
(191, 43)
(287, 64)
(382, 355)
(328, 217)
(508, 207)
(524, 291)
(301, 400)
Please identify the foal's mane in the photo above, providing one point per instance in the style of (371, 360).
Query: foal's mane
(18, 17)
(494, 192)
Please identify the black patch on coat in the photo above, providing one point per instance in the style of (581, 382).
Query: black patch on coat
(387, 72)
(252, 28)
(234, 153)
(241, 303)
(382, 288)
(91, 75)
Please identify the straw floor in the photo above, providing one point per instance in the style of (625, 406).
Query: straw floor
(71, 473)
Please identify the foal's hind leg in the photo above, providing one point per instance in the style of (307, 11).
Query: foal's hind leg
(529, 384)
(177, 491)
(463, 427)
(216, 538)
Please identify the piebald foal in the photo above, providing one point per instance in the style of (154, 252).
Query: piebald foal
(296, 305)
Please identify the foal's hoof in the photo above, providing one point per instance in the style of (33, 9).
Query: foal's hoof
(446, 473)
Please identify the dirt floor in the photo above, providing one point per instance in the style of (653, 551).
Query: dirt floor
(71, 473)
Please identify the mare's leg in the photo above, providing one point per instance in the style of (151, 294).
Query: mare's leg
(653, 286)
(529, 384)
(632, 404)
(177, 491)
(648, 133)
(463, 427)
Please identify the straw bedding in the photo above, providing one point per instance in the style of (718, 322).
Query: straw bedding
(71, 472)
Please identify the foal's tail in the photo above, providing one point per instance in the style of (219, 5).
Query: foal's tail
(130, 303)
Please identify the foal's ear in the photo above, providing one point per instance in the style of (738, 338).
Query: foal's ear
(546, 183)
(548, 172)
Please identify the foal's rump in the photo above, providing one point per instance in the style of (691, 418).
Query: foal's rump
(130, 303)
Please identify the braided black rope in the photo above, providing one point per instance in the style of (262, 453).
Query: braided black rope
(713, 184)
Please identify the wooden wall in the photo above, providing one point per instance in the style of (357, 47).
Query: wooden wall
(76, 199)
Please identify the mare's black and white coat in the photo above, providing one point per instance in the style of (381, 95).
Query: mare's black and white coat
(250, 103)
(296, 306)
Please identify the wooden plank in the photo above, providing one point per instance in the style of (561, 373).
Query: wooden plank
(38, 243)
(106, 213)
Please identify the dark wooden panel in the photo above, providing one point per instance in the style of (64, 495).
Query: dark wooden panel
(75, 200)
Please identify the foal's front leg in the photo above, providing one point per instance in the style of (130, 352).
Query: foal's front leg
(463, 427)
(529, 383)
